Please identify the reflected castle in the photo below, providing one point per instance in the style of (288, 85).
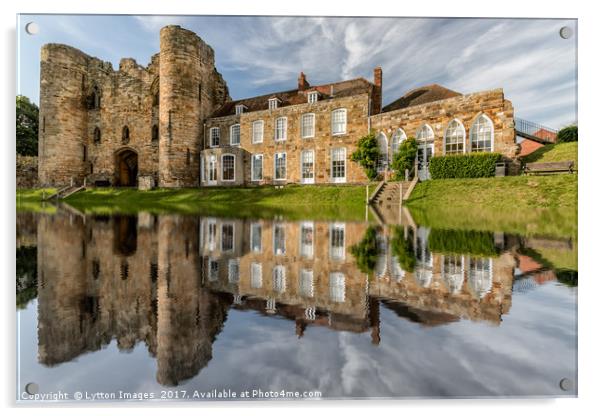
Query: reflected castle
(169, 281)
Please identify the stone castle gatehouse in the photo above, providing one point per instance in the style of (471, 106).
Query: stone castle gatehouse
(173, 123)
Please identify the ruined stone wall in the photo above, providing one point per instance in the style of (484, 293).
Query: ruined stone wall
(322, 143)
(465, 108)
(190, 89)
(86, 105)
(63, 114)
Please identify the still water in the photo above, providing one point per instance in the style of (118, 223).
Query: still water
(171, 305)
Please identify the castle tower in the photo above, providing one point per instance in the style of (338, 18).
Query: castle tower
(62, 136)
(190, 89)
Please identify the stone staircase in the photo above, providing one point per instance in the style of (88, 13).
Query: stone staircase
(389, 192)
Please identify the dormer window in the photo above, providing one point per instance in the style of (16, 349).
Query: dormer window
(240, 108)
(273, 103)
(312, 97)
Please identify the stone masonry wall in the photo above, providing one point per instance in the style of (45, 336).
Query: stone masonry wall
(465, 108)
(322, 142)
(132, 97)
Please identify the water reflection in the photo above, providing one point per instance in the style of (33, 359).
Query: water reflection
(169, 281)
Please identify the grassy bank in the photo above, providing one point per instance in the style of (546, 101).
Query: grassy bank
(527, 205)
(554, 153)
(320, 202)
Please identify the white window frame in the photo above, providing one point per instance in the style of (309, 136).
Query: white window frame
(472, 128)
(430, 137)
(306, 283)
(474, 272)
(313, 169)
(399, 135)
(253, 161)
(254, 139)
(232, 127)
(283, 130)
(283, 251)
(285, 167)
(279, 278)
(337, 287)
(233, 167)
(224, 225)
(272, 103)
(338, 179)
(337, 253)
(305, 250)
(253, 230)
(211, 242)
(304, 134)
(312, 97)
(211, 130)
(446, 136)
(332, 122)
(239, 109)
(212, 274)
(256, 275)
(233, 271)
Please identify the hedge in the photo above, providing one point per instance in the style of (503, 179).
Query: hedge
(474, 165)
(476, 243)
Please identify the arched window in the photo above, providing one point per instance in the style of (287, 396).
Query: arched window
(481, 134)
(454, 138)
(398, 137)
(155, 133)
(382, 152)
(96, 135)
(228, 167)
(425, 133)
(125, 135)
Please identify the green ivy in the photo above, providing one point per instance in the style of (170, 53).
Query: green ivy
(367, 155)
(404, 158)
(474, 165)
(567, 134)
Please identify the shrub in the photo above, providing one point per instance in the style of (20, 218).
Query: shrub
(475, 165)
(477, 243)
(567, 134)
(367, 155)
(366, 251)
(404, 158)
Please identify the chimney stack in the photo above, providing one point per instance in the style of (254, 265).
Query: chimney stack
(302, 83)
(377, 95)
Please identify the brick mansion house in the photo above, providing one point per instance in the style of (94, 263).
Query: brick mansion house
(173, 123)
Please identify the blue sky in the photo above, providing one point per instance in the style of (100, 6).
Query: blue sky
(258, 55)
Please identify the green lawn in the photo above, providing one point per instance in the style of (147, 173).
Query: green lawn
(554, 153)
(527, 205)
(293, 201)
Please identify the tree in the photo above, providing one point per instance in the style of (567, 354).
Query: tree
(404, 158)
(367, 154)
(366, 251)
(27, 126)
(567, 134)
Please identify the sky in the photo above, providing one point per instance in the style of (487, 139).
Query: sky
(257, 55)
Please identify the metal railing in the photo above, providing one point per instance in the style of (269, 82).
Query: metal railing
(534, 130)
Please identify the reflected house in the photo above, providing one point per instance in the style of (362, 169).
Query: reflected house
(300, 270)
(168, 281)
(458, 285)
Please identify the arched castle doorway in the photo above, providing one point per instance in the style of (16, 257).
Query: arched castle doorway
(126, 167)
